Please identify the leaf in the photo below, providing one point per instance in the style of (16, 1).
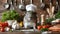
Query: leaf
(44, 29)
(10, 15)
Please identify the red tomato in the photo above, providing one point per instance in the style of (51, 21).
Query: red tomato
(5, 22)
(1, 29)
(39, 27)
(46, 26)
(1, 24)
(5, 25)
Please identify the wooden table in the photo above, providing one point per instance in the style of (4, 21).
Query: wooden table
(19, 33)
(26, 33)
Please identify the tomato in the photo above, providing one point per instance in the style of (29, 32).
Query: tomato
(39, 27)
(48, 26)
(45, 26)
(1, 29)
(5, 24)
(1, 24)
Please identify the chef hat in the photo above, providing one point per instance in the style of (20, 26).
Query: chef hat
(31, 7)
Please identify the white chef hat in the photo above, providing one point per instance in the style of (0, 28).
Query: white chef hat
(31, 7)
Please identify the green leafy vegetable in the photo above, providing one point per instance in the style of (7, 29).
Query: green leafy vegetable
(44, 29)
(10, 15)
(49, 20)
(57, 15)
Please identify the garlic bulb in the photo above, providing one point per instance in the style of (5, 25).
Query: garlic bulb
(10, 22)
(7, 28)
(31, 7)
(15, 25)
